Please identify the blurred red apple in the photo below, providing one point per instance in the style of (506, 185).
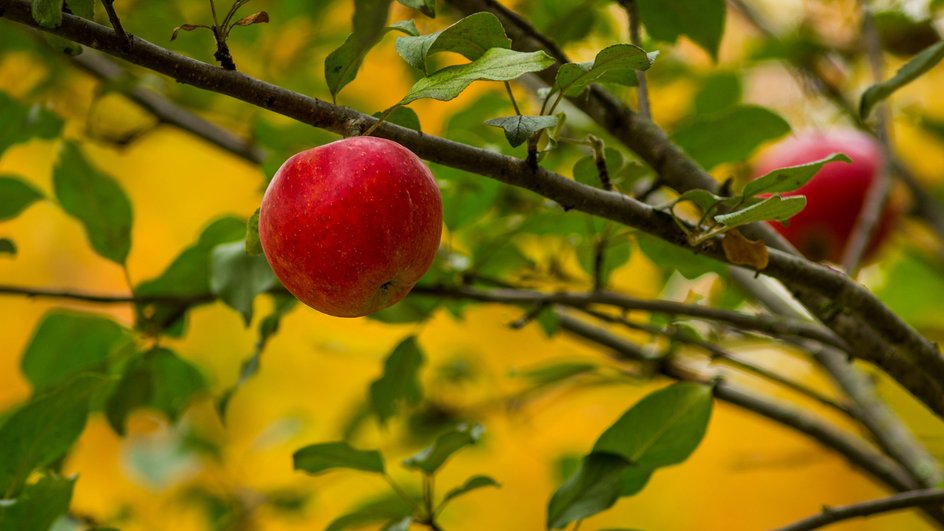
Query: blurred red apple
(834, 196)
(350, 227)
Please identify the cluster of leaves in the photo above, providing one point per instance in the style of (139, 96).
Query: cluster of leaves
(115, 370)
(759, 200)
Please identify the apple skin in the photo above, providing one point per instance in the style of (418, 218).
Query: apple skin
(834, 197)
(350, 227)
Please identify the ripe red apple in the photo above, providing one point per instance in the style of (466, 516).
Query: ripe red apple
(834, 197)
(350, 227)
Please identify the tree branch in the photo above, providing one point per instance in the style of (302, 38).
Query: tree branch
(854, 450)
(832, 515)
(890, 351)
(718, 353)
(877, 196)
(891, 434)
(909, 348)
(168, 112)
(772, 326)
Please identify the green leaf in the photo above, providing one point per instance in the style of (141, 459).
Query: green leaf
(159, 379)
(687, 262)
(594, 488)
(7, 247)
(719, 91)
(912, 286)
(400, 380)
(549, 373)
(268, 326)
(38, 506)
(66, 343)
(22, 123)
(236, 278)
(253, 245)
(790, 178)
(83, 8)
(615, 254)
(369, 23)
(316, 458)
(404, 117)
(408, 310)
(730, 136)
(913, 69)
(187, 276)
(385, 508)
(573, 78)
(548, 321)
(17, 195)
(701, 20)
(47, 13)
(497, 64)
(773, 208)
(432, 457)
(702, 198)
(41, 431)
(586, 171)
(520, 128)
(473, 483)
(401, 524)
(635, 478)
(427, 7)
(470, 37)
(662, 429)
(96, 200)
(404, 26)
(466, 198)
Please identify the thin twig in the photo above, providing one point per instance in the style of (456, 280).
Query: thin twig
(116, 23)
(773, 326)
(168, 112)
(855, 450)
(832, 515)
(717, 352)
(888, 430)
(642, 90)
(877, 196)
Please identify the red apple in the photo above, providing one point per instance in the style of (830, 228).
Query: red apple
(350, 227)
(834, 197)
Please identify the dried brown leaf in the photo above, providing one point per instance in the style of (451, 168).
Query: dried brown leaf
(741, 251)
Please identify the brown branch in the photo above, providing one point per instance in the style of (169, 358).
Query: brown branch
(888, 430)
(116, 23)
(718, 353)
(839, 294)
(883, 344)
(877, 196)
(168, 112)
(832, 515)
(772, 326)
(855, 450)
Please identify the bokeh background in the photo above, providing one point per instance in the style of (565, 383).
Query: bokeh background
(203, 474)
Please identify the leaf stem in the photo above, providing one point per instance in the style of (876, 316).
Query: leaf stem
(383, 117)
(399, 491)
(511, 96)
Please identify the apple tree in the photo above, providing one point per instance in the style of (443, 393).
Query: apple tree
(575, 145)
